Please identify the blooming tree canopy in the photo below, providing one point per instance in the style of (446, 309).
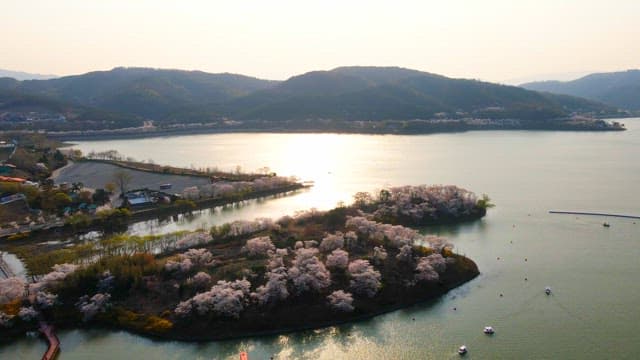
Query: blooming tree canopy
(332, 242)
(90, 307)
(338, 259)
(379, 254)
(27, 313)
(11, 289)
(275, 289)
(425, 272)
(365, 280)
(226, 298)
(259, 246)
(406, 254)
(307, 272)
(340, 300)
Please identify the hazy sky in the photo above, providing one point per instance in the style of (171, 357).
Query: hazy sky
(492, 40)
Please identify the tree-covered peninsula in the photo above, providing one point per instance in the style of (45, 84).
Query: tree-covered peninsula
(313, 269)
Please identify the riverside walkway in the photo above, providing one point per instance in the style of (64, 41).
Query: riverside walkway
(52, 339)
(593, 214)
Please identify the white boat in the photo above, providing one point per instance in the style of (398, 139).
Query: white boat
(547, 290)
(462, 350)
(488, 330)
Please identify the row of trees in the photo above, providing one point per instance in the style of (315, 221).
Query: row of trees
(420, 205)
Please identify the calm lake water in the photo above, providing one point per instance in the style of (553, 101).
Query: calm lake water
(593, 312)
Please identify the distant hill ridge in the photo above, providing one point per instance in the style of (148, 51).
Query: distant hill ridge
(127, 96)
(21, 75)
(620, 89)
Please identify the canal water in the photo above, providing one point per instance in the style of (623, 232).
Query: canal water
(519, 247)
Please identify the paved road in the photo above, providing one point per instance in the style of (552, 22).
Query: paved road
(95, 175)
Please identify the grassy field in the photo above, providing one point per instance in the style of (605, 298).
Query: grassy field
(96, 174)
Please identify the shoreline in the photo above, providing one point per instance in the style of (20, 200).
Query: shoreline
(155, 213)
(431, 294)
(436, 129)
(287, 330)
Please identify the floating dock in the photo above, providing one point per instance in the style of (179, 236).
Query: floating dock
(593, 214)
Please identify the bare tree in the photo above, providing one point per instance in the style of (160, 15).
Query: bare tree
(122, 179)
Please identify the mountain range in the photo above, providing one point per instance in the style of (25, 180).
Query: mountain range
(127, 96)
(619, 89)
(21, 75)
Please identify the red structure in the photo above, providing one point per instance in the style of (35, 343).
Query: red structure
(54, 343)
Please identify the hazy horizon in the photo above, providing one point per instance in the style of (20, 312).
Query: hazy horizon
(496, 41)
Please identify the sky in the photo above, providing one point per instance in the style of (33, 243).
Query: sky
(494, 40)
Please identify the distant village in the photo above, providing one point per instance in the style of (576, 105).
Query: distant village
(43, 186)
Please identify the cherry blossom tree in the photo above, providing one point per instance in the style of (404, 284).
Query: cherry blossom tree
(396, 234)
(11, 289)
(226, 298)
(27, 313)
(340, 300)
(437, 262)
(350, 239)
(59, 273)
(338, 259)
(190, 259)
(415, 204)
(379, 254)
(259, 246)
(201, 279)
(405, 255)
(332, 242)
(310, 244)
(45, 299)
(425, 272)
(182, 266)
(193, 239)
(275, 289)
(365, 280)
(199, 257)
(244, 227)
(90, 307)
(307, 272)
(276, 258)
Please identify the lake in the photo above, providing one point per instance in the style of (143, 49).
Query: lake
(519, 247)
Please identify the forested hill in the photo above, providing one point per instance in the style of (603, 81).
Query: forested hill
(127, 96)
(370, 93)
(619, 89)
(148, 93)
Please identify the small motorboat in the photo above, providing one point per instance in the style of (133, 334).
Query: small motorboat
(547, 290)
(462, 350)
(488, 330)
(606, 224)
